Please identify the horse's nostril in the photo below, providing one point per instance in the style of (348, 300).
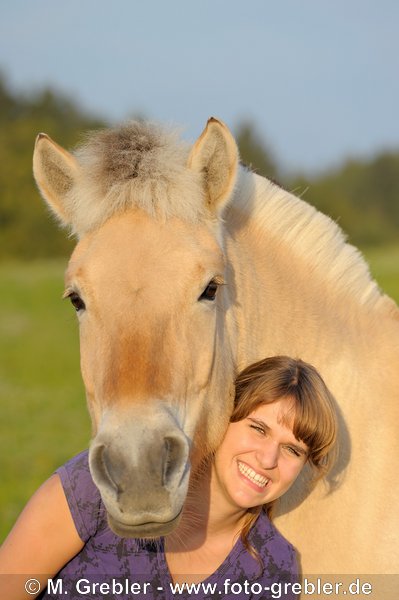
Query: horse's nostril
(173, 456)
(105, 474)
(166, 467)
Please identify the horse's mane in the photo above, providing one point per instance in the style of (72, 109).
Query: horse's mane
(311, 236)
(136, 164)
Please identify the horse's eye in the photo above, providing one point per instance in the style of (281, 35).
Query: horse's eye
(209, 292)
(76, 301)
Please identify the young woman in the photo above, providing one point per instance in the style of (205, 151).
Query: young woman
(225, 546)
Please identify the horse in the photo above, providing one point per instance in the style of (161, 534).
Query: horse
(187, 268)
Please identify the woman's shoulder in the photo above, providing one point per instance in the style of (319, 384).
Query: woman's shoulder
(271, 544)
(77, 467)
(82, 495)
(266, 557)
(76, 477)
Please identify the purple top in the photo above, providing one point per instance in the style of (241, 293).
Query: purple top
(110, 567)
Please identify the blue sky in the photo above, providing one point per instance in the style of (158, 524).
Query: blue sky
(320, 80)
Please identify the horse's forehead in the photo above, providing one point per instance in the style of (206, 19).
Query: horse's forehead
(136, 242)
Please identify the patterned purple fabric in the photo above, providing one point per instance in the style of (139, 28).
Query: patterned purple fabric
(131, 568)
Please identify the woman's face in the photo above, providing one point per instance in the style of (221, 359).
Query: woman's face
(259, 458)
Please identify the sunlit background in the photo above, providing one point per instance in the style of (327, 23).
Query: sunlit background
(310, 90)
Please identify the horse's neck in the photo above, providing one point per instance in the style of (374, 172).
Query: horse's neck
(296, 288)
(294, 280)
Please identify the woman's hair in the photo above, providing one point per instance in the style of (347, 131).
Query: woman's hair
(314, 420)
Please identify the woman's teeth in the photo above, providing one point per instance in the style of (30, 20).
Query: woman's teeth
(252, 475)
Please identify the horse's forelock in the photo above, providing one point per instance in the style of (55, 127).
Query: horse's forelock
(137, 164)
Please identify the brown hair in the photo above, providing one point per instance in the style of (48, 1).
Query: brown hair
(314, 415)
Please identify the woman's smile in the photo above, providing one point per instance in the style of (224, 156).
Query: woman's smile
(252, 477)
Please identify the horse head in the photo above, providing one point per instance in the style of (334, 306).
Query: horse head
(147, 282)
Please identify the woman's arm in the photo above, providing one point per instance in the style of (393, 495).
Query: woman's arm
(42, 541)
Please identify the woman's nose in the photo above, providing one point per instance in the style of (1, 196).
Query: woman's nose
(267, 454)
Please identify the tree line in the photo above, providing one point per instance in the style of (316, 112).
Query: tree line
(363, 196)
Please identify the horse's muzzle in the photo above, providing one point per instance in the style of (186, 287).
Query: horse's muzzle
(142, 474)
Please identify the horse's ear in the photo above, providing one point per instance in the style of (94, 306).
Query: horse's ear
(55, 171)
(215, 156)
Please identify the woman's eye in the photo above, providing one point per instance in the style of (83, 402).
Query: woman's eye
(76, 301)
(258, 428)
(293, 451)
(209, 292)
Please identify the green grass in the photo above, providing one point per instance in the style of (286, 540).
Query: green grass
(43, 414)
(384, 266)
(44, 419)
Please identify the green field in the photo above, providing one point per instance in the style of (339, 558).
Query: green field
(44, 418)
(384, 266)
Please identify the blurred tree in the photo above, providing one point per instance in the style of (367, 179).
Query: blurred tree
(363, 196)
(25, 231)
(254, 153)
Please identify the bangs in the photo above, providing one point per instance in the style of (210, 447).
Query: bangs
(315, 428)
